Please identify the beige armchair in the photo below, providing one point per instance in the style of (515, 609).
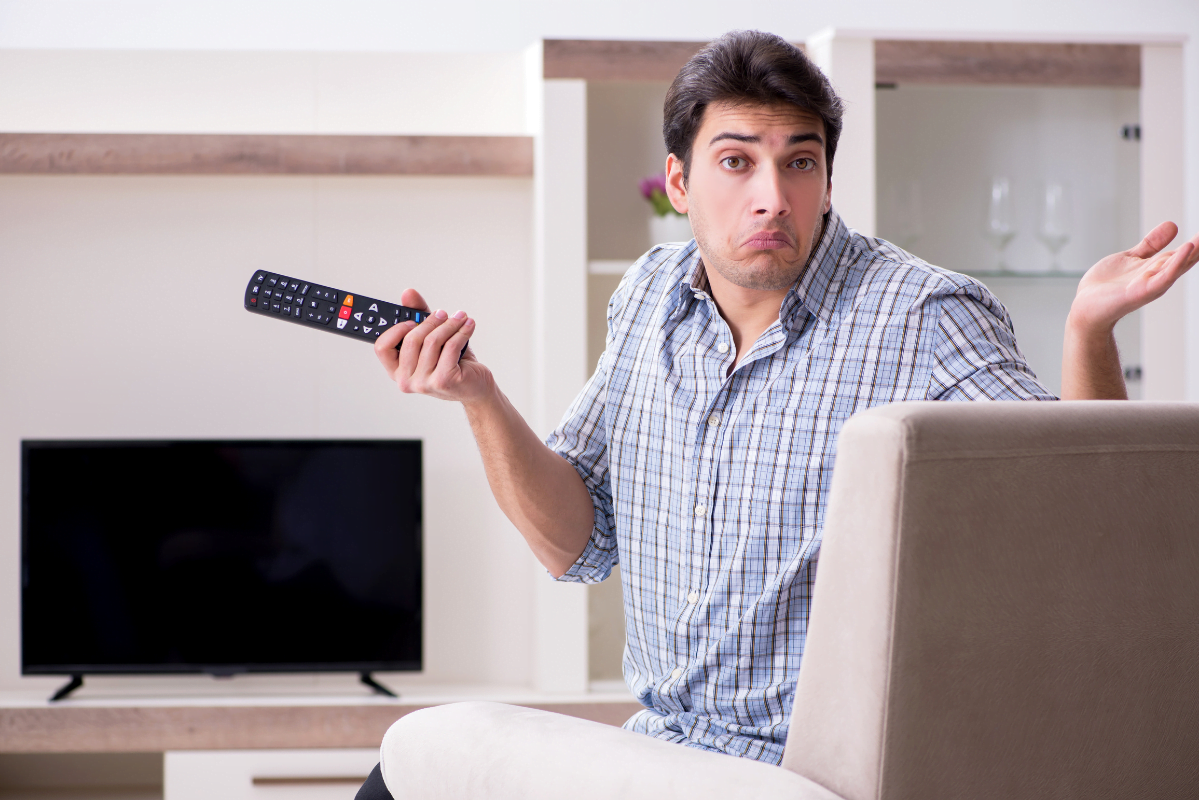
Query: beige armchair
(1006, 607)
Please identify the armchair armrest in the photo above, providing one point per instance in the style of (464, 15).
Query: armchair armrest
(478, 749)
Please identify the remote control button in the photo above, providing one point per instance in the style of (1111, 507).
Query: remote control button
(314, 303)
(287, 298)
(382, 322)
(293, 285)
(370, 319)
(355, 328)
(275, 307)
(344, 313)
(349, 301)
(272, 281)
(416, 316)
(283, 282)
(374, 307)
(310, 315)
(254, 289)
(378, 332)
(253, 301)
(278, 295)
(260, 277)
(358, 315)
(341, 323)
(286, 311)
(296, 312)
(304, 289)
(366, 328)
(332, 309)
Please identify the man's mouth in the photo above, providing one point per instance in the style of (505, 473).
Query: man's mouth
(768, 240)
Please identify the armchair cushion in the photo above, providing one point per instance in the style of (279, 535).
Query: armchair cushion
(479, 750)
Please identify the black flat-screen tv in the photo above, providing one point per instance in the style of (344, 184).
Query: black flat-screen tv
(220, 556)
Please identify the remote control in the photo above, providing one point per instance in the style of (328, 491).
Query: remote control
(321, 307)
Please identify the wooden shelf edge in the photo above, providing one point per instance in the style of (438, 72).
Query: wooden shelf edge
(615, 60)
(263, 154)
(1007, 63)
(134, 729)
(899, 60)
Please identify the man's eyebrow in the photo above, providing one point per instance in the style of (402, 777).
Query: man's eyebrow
(737, 137)
(795, 138)
(806, 137)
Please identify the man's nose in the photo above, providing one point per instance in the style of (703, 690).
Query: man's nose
(769, 199)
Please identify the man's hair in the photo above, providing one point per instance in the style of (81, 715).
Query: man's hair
(747, 67)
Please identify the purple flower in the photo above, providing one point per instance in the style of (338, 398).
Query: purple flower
(654, 182)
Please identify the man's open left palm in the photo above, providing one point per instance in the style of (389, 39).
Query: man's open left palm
(1124, 282)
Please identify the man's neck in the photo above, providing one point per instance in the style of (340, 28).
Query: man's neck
(747, 312)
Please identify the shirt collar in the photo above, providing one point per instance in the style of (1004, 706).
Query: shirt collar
(819, 284)
(815, 290)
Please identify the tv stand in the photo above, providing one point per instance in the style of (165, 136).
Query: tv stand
(68, 687)
(366, 680)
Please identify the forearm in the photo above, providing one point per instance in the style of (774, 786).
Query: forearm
(1091, 366)
(538, 490)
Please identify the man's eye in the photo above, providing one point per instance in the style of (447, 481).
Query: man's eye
(733, 162)
(804, 163)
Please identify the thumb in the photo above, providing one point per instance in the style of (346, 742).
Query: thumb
(411, 298)
(1155, 240)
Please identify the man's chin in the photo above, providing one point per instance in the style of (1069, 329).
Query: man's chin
(769, 277)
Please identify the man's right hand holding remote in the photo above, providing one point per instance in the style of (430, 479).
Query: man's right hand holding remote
(427, 360)
(538, 490)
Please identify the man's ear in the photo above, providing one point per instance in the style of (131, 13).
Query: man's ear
(676, 191)
(828, 196)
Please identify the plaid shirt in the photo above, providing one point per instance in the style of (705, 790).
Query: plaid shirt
(710, 491)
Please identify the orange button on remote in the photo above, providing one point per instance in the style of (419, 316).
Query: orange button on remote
(349, 301)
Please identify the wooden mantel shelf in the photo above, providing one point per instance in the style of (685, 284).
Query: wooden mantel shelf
(266, 154)
(147, 728)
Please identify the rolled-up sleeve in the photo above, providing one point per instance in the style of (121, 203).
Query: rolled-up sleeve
(977, 357)
(581, 439)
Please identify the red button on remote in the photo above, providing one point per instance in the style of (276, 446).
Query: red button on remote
(344, 313)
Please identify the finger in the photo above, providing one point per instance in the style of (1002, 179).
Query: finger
(411, 298)
(454, 346)
(435, 342)
(390, 339)
(385, 347)
(410, 347)
(1155, 240)
(1195, 256)
(1180, 262)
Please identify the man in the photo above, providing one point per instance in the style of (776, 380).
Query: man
(700, 452)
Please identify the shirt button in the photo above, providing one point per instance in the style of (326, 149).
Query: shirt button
(714, 420)
(699, 296)
(722, 348)
(677, 673)
(700, 509)
(693, 597)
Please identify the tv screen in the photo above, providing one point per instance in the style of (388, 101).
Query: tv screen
(220, 556)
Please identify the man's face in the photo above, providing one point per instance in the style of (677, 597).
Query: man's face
(755, 193)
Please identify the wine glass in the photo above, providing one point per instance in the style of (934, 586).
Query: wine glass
(1000, 229)
(1055, 228)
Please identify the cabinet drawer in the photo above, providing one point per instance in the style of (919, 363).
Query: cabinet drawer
(266, 774)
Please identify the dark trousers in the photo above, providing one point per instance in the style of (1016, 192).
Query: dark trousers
(374, 788)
